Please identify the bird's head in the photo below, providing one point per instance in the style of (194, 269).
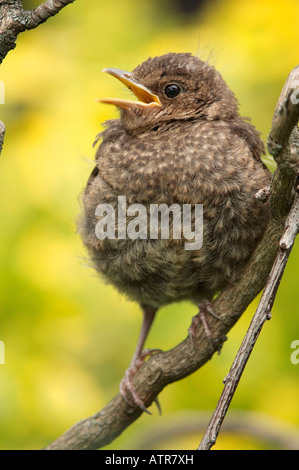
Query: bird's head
(173, 87)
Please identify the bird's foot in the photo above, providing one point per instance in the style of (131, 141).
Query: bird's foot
(126, 388)
(204, 309)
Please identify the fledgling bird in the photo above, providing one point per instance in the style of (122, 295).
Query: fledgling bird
(182, 142)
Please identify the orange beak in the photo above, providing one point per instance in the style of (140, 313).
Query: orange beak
(146, 99)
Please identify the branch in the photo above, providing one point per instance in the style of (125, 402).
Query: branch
(166, 367)
(14, 20)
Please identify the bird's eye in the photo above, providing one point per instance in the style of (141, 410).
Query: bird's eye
(172, 90)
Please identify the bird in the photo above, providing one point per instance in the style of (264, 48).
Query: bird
(181, 143)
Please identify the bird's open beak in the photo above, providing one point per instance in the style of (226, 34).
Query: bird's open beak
(146, 99)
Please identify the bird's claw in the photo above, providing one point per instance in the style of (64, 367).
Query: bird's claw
(126, 387)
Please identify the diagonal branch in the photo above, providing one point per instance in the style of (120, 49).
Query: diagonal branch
(166, 367)
(40, 14)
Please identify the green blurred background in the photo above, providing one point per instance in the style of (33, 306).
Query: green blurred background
(68, 337)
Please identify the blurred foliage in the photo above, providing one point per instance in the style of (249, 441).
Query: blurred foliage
(68, 337)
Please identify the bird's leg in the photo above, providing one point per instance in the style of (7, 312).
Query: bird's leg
(138, 360)
(204, 309)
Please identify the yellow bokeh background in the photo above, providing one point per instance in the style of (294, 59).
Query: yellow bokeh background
(68, 337)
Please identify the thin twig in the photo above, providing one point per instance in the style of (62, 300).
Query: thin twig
(14, 20)
(283, 144)
(262, 314)
(167, 367)
(40, 14)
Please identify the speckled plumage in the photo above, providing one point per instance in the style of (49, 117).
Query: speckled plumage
(193, 149)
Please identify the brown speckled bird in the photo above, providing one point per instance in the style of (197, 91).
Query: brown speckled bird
(182, 142)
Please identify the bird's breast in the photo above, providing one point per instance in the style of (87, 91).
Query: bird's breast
(206, 165)
(182, 164)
